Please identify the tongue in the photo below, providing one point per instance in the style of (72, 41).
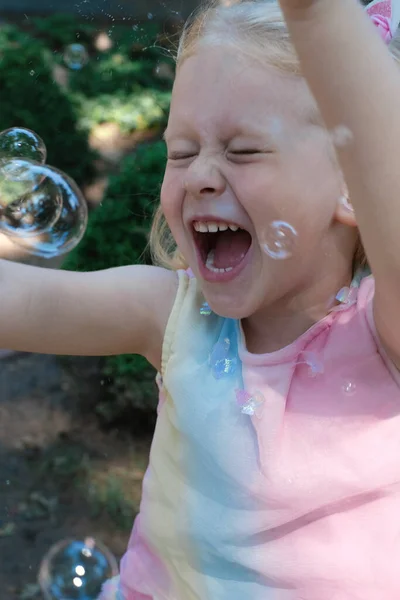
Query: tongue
(230, 248)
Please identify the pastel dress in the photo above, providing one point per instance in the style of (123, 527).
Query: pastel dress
(272, 476)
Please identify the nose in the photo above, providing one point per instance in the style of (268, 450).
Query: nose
(204, 178)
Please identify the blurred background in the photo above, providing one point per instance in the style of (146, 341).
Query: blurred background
(75, 432)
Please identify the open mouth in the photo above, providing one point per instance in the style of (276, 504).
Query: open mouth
(221, 246)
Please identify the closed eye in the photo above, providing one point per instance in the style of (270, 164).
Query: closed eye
(244, 152)
(180, 156)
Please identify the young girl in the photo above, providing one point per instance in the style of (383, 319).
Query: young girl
(275, 466)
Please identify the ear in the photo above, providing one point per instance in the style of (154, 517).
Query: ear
(344, 212)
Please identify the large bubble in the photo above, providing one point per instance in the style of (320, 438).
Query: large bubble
(76, 570)
(30, 197)
(19, 142)
(67, 231)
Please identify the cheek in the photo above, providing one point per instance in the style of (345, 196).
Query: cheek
(171, 196)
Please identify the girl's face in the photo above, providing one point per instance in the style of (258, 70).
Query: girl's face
(251, 189)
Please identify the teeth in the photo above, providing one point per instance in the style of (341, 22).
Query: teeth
(212, 227)
(210, 264)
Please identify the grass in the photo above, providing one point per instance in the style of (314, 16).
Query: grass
(109, 491)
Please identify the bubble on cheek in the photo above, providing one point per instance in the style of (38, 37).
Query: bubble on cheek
(341, 136)
(279, 240)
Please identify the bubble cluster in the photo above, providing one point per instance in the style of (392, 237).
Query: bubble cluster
(41, 208)
(76, 56)
(76, 570)
(279, 240)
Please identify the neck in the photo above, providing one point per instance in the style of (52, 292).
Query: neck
(278, 325)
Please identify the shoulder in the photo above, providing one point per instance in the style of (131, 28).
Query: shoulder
(382, 308)
(383, 329)
(161, 290)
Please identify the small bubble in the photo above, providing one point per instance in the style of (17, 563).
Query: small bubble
(205, 309)
(314, 363)
(149, 15)
(349, 388)
(223, 360)
(76, 570)
(76, 56)
(31, 73)
(279, 240)
(341, 136)
(250, 404)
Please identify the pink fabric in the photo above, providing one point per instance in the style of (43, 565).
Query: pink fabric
(315, 514)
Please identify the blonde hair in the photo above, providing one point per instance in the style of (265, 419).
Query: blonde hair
(257, 29)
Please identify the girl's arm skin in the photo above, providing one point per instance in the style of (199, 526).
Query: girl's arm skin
(356, 84)
(116, 311)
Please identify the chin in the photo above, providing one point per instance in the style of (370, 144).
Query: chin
(229, 304)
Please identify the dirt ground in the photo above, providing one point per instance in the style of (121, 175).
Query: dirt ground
(61, 475)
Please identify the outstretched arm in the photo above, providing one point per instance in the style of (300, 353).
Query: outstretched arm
(356, 84)
(116, 311)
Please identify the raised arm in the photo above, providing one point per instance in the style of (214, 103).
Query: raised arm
(357, 85)
(116, 311)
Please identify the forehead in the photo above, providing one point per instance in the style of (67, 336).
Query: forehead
(217, 90)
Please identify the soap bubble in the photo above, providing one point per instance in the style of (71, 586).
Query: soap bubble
(279, 240)
(19, 142)
(76, 570)
(341, 136)
(313, 362)
(349, 387)
(18, 177)
(30, 197)
(76, 56)
(222, 359)
(68, 229)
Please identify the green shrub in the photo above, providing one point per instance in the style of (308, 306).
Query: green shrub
(31, 98)
(117, 234)
(142, 109)
(60, 29)
(118, 229)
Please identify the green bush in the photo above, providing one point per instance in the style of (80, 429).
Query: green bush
(142, 109)
(119, 86)
(118, 229)
(117, 234)
(59, 30)
(31, 98)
